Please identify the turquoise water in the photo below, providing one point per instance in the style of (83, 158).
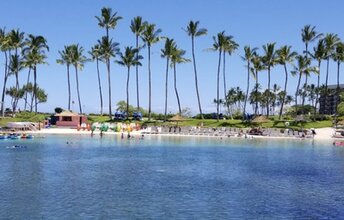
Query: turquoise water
(169, 178)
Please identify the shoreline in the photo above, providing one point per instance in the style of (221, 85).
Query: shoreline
(322, 134)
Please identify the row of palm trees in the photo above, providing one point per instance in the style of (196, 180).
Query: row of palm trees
(22, 53)
(106, 48)
(328, 47)
(146, 34)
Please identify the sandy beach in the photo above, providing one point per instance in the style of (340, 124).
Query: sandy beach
(321, 133)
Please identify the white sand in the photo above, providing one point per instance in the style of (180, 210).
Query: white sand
(321, 133)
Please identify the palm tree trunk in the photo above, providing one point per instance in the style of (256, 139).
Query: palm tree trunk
(77, 87)
(27, 82)
(218, 86)
(317, 97)
(109, 82)
(256, 108)
(149, 86)
(224, 78)
(247, 87)
(166, 87)
(326, 81)
(175, 88)
(137, 75)
(128, 92)
(69, 92)
(4, 86)
(100, 88)
(285, 91)
(337, 93)
(35, 86)
(304, 95)
(196, 81)
(297, 91)
(268, 97)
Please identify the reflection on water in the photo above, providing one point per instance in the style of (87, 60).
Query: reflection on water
(170, 178)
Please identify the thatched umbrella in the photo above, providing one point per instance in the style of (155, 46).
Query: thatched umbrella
(177, 118)
(300, 119)
(260, 119)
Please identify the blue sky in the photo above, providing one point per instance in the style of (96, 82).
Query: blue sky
(251, 23)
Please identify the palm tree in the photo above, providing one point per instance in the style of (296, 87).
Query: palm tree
(128, 59)
(16, 43)
(229, 48)
(35, 49)
(248, 58)
(338, 56)
(177, 57)
(269, 60)
(65, 58)
(5, 48)
(193, 31)
(302, 68)
(285, 55)
(108, 49)
(257, 66)
(77, 60)
(95, 54)
(220, 41)
(167, 53)
(15, 66)
(308, 35)
(319, 54)
(108, 19)
(137, 27)
(330, 43)
(150, 36)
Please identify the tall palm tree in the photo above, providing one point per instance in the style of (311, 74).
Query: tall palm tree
(338, 56)
(137, 26)
(108, 20)
(65, 58)
(308, 34)
(5, 48)
(194, 31)
(15, 66)
(108, 49)
(331, 41)
(318, 54)
(269, 60)
(301, 68)
(95, 55)
(78, 60)
(285, 56)
(229, 48)
(150, 36)
(36, 47)
(220, 42)
(128, 59)
(167, 53)
(176, 58)
(247, 58)
(257, 66)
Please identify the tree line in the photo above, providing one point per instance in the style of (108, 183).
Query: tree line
(301, 65)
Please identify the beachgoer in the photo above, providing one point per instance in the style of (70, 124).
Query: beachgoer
(122, 135)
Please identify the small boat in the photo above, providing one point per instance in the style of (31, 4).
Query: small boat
(14, 136)
(338, 143)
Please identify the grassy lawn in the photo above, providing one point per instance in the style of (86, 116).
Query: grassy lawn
(26, 116)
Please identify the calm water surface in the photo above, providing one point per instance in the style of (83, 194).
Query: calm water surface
(170, 178)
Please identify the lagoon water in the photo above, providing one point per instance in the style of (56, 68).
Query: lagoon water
(169, 178)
